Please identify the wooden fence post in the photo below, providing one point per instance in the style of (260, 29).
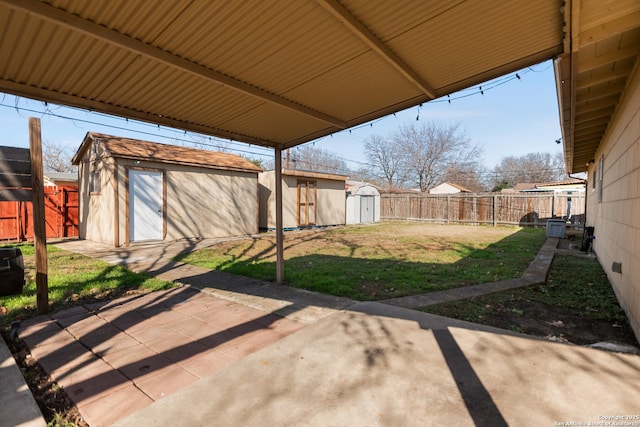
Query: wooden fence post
(39, 231)
(448, 202)
(495, 215)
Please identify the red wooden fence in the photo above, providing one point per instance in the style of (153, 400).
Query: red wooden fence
(61, 215)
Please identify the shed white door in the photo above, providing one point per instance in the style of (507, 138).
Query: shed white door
(367, 208)
(145, 206)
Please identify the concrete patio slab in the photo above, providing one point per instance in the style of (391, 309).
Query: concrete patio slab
(378, 365)
(273, 355)
(143, 348)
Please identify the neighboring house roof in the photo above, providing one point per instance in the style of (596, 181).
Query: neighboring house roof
(523, 186)
(135, 149)
(61, 176)
(446, 187)
(400, 191)
(570, 184)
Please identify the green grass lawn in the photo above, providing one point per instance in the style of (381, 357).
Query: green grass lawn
(382, 261)
(73, 279)
(577, 302)
(575, 283)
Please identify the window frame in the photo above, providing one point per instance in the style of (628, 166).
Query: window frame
(600, 177)
(94, 179)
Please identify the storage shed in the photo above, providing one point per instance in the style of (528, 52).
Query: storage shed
(135, 191)
(308, 199)
(363, 203)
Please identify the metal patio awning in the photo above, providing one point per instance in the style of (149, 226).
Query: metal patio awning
(276, 73)
(600, 55)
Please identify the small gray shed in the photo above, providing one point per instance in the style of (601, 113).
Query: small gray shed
(363, 203)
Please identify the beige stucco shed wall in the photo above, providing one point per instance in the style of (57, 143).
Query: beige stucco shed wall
(200, 202)
(615, 218)
(330, 204)
(96, 209)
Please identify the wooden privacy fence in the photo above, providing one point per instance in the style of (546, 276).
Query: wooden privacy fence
(61, 215)
(495, 209)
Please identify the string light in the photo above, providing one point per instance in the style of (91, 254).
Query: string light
(459, 95)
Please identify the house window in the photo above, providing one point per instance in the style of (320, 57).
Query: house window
(600, 174)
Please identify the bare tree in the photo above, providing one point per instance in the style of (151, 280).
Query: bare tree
(431, 150)
(309, 158)
(532, 167)
(57, 158)
(364, 174)
(202, 142)
(387, 162)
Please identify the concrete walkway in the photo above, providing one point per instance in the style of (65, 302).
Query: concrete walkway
(292, 357)
(17, 405)
(535, 274)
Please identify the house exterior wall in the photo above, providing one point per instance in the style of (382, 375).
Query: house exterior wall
(616, 217)
(96, 209)
(330, 204)
(200, 203)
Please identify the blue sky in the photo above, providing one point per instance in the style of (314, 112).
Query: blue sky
(512, 118)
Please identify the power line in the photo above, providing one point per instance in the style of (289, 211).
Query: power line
(265, 152)
(48, 112)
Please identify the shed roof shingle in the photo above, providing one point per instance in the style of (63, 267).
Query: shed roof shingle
(136, 149)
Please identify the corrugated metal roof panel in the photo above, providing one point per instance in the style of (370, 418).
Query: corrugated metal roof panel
(271, 72)
(346, 81)
(594, 75)
(447, 57)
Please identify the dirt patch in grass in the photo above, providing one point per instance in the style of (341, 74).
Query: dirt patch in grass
(558, 323)
(381, 261)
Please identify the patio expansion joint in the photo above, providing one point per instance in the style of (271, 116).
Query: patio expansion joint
(535, 274)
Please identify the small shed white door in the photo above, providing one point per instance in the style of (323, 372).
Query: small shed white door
(145, 205)
(367, 208)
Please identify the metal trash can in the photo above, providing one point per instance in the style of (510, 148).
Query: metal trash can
(556, 228)
(11, 271)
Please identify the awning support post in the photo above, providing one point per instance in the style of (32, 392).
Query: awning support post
(279, 229)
